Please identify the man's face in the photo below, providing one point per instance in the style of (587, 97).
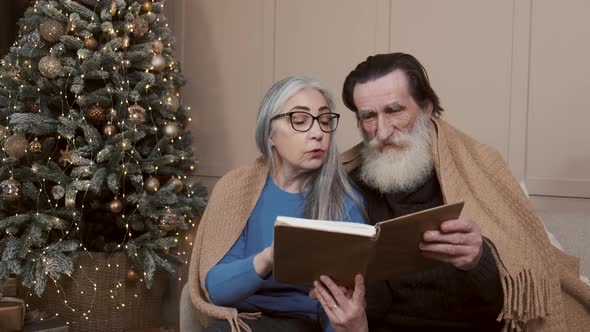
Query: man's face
(396, 157)
(385, 107)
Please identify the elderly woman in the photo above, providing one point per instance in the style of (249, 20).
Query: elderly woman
(299, 174)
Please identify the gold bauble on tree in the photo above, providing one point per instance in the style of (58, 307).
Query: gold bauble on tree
(152, 184)
(16, 146)
(131, 275)
(35, 146)
(49, 66)
(116, 206)
(10, 190)
(96, 114)
(176, 184)
(158, 46)
(158, 62)
(113, 8)
(168, 220)
(3, 133)
(31, 108)
(65, 156)
(140, 26)
(51, 30)
(91, 43)
(109, 129)
(71, 26)
(125, 42)
(171, 131)
(171, 102)
(27, 29)
(136, 114)
(147, 6)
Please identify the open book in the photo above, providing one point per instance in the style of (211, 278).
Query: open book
(304, 249)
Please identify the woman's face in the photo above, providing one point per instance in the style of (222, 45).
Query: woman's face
(295, 151)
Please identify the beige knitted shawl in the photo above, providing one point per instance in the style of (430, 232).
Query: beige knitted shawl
(229, 207)
(542, 289)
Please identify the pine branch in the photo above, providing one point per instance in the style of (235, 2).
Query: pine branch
(79, 9)
(34, 123)
(52, 12)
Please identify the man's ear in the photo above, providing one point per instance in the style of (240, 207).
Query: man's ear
(429, 109)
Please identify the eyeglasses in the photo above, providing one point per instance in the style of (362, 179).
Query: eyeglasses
(303, 121)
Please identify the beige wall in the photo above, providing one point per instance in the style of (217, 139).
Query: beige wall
(511, 73)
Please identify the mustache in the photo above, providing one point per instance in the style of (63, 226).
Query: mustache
(397, 140)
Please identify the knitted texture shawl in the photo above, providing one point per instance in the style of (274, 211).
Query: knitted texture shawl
(232, 201)
(542, 290)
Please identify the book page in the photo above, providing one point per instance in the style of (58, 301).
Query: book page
(329, 226)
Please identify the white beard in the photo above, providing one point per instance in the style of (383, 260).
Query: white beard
(399, 169)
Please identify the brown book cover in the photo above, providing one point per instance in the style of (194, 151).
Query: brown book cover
(304, 249)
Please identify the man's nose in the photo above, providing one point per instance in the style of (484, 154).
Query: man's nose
(384, 129)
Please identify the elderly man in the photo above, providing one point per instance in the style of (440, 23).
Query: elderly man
(499, 269)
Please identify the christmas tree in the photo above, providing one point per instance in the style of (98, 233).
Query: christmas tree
(95, 151)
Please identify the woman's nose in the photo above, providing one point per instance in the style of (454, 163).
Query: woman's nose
(315, 131)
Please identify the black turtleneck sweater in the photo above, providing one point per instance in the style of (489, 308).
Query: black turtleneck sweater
(442, 299)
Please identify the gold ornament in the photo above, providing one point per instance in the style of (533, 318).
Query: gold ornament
(96, 114)
(116, 206)
(152, 184)
(27, 29)
(131, 275)
(3, 133)
(51, 30)
(158, 63)
(36, 146)
(147, 6)
(125, 42)
(140, 26)
(16, 146)
(168, 220)
(31, 107)
(176, 184)
(91, 43)
(109, 129)
(171, 102)
(171, 131)
(113, 9)
(158, 46)
(136, 114)
(71, 26)
(65, 156)
(10, 190)
(49, 66)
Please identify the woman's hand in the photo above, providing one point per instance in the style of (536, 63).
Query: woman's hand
(264, 260)
(345, 308)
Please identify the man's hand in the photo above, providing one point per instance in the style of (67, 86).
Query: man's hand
(458, 242)
(345, 308)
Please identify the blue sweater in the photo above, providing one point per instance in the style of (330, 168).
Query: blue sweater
(234, 282)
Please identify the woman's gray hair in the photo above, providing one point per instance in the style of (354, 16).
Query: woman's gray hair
(327, 186)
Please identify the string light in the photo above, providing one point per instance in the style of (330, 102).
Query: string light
(125, 63)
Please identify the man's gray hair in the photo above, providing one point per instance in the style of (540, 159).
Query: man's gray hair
(327, 186)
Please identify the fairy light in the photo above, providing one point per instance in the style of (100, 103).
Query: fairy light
(119, 285)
